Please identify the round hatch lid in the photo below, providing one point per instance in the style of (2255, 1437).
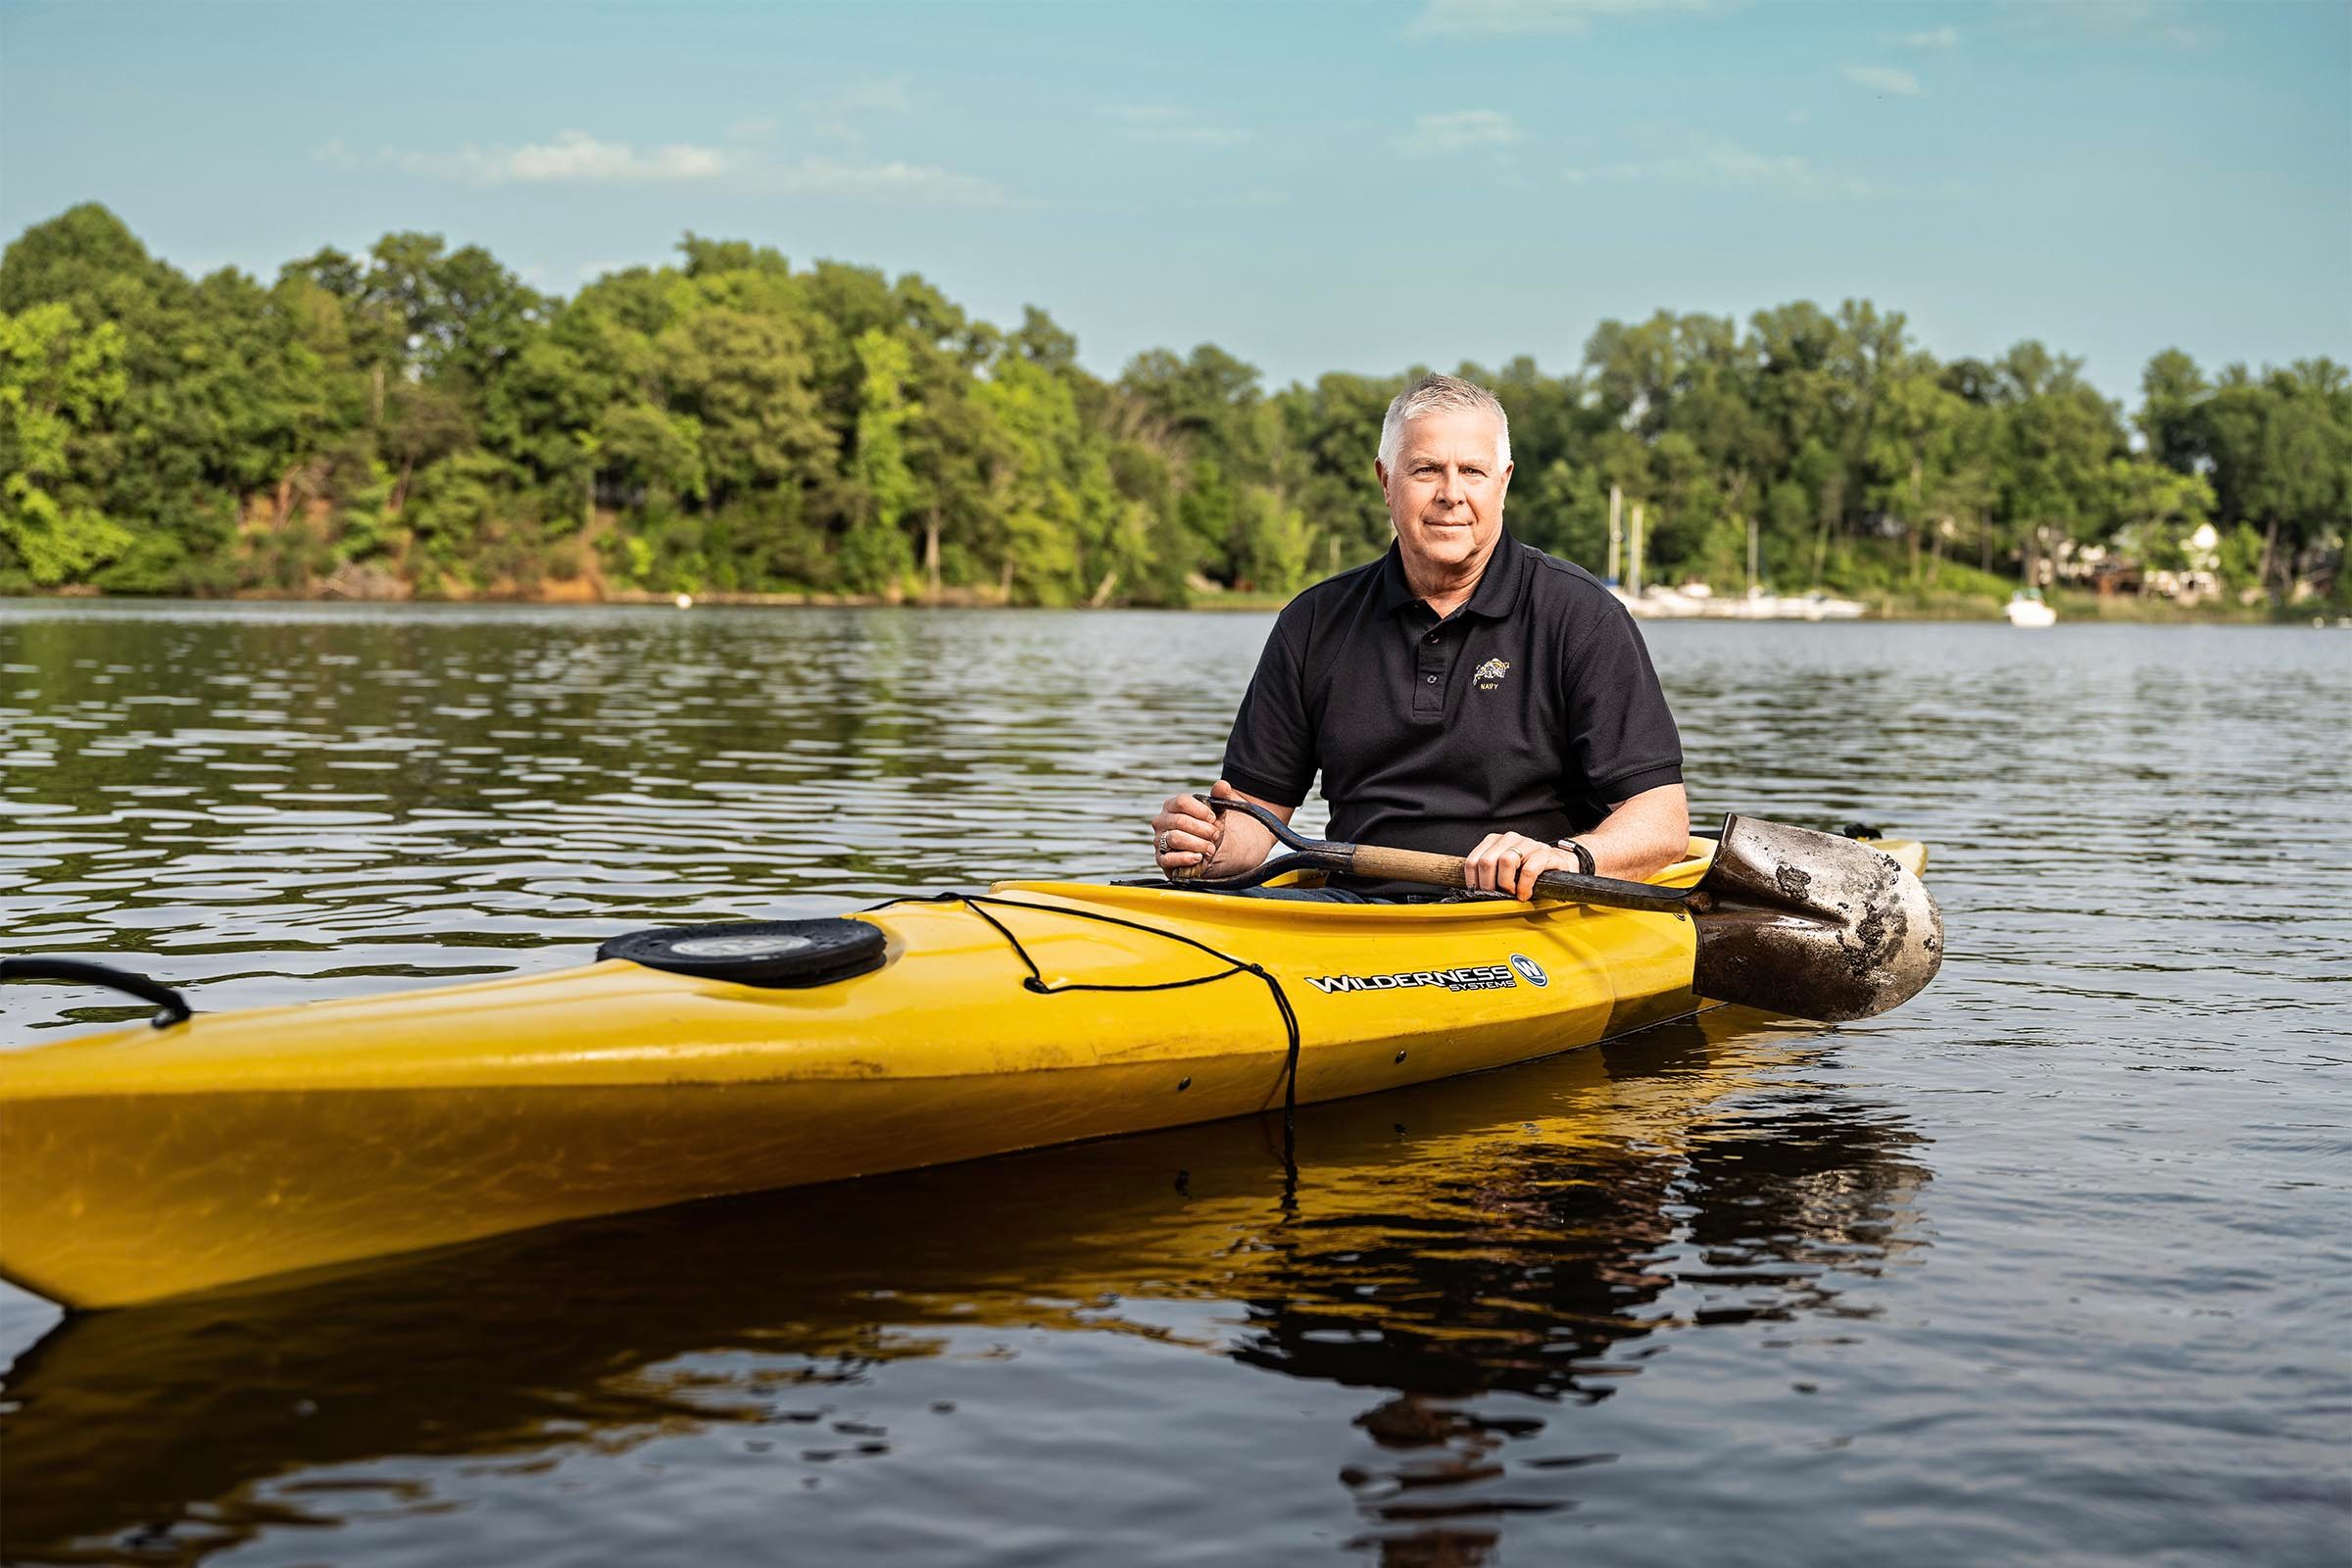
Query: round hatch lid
(782, 953)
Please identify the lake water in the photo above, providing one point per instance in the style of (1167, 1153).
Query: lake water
(2051, 1264)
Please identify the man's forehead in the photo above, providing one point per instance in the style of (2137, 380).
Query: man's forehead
(1440, 429)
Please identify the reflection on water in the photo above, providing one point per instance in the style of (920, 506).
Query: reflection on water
(2047, 1263)
(1516, 1230)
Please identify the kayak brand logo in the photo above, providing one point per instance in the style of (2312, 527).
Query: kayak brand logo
(1489, 674)
(1530, 968)
(1476, 977)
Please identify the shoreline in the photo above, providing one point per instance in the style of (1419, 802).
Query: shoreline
(1879, 608)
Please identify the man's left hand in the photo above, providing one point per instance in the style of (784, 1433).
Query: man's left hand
(1510, 862)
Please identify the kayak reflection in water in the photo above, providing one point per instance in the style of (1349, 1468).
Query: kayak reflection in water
(1465, 694)
(1528, 1232)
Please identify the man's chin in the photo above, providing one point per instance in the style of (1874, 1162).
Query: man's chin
(1446, 546)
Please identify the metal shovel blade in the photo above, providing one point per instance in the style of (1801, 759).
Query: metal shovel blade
(1812, 925)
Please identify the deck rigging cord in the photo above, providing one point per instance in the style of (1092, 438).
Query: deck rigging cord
(980, 903)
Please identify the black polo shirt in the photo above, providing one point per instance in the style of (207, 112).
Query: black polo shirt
(1532, 709)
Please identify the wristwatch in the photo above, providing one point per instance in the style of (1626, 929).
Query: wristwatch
(1584, 857)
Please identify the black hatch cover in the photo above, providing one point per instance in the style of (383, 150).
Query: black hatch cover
(788, 955)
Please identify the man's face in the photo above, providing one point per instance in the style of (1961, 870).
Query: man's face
(1446, 492)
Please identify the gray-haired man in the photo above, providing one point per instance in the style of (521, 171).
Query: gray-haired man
(1465, 694)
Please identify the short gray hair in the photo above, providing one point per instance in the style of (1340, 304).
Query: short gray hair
(1450, 394)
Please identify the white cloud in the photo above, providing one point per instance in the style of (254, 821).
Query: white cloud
(334, 154)
(1944, 37)
(2165, 23)
(1704, 160)
(1461, 130)
(895, 182)
(1742, 165)
(1887, 79)
(573, 158)
(1486, 17)
(1170, 126)
(576, 158)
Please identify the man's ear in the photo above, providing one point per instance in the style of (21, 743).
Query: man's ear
(1380, 471)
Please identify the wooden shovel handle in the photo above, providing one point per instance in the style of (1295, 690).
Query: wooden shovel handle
(1408, 865)
(1448, 871)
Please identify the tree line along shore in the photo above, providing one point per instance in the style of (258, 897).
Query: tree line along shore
(417, 422)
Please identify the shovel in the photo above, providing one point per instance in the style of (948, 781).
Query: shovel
(1789, 920)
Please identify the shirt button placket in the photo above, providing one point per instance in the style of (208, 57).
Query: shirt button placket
(1429, 691)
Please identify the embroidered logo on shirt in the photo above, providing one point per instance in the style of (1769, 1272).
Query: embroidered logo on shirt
(1489, 674)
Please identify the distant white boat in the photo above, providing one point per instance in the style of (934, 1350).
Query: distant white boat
(2027, 609)
(1697, 601)
(1818, 606)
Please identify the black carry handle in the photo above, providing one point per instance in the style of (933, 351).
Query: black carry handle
(75, 971)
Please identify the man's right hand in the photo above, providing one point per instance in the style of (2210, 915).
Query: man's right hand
(1189, 840)
(1186, 836)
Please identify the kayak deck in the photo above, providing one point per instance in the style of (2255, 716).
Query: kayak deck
(149, 1163)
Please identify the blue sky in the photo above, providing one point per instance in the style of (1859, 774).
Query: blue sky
(1313, 187)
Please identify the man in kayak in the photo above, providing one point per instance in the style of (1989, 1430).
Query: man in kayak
(1465, 694)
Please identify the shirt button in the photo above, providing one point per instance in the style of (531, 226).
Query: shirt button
(1432, 679)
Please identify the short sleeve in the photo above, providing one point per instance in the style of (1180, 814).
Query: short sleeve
(1621, 737)
(1271, 753)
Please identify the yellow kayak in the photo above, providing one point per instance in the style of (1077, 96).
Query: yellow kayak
(1538, 1190)
(153, 1162)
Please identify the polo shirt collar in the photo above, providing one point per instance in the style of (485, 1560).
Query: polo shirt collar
(1499, 588)
(1394, 592)
(1499, 585)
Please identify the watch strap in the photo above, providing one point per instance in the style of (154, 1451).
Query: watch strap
(1584, 857)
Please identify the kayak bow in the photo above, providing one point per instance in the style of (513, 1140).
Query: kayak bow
(202, 1154)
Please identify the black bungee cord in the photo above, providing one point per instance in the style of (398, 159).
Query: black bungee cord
(979, 904)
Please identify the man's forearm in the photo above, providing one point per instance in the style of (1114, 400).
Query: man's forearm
(1640, 836)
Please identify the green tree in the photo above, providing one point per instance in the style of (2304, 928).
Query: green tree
(730, 420)
(2153, 509)
(875, 552)
(57, 379)
(2280, 450)
(2172, 391)
(2059, 437)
